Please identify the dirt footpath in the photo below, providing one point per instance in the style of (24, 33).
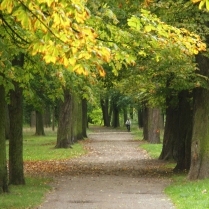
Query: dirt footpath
(116, 174)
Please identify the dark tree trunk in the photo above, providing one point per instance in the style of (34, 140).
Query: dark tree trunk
(39, 124)
(84, 117)
(178, 132)
(16, 173)
(199, 168)
(182, 146)
(170, 131)
(115, 120)
(154, 125)
(105, 108)
(64, 132)
(140, 117)
(3, 163)
(77, 118)
(7, 122)
(53, 119)
(47, 116)
(124, 115)
(33, 119)
(145, 123)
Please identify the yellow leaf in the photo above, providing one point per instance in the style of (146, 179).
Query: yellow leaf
(72, 61)
(78, 69)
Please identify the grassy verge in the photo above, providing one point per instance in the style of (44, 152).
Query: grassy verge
(37, 148)
(189, 195)
(183, 193)
(26, 196)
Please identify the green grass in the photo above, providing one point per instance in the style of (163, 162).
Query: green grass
(26, 196)
(36, 148)
(189, 195)
(153, 150)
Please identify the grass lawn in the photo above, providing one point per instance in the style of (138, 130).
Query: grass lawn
(36, 148)
(183, 193)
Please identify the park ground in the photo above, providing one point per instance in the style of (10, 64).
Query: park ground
(116, 173)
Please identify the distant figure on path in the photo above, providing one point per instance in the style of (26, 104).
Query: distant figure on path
(128, 124)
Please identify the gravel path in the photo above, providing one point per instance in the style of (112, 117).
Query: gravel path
(116, 174)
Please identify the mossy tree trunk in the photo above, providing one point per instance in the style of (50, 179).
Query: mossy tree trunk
(199, 168)
(77, 118)
(16, 172)
(3, 163)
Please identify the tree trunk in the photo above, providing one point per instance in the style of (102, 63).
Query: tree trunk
(178, 131)
(64, 132)
(33, 119)
(125, 115)
(115, 120)
(77, 118)
(47, 116)
(170, 131)
(105, 107)
(3, 163)
(199, 168)
(39, 124)
(145, 123)
(84, 117)
(7, 130)
(16, 173)
(182, 144)
(140, 117)
(154, 125)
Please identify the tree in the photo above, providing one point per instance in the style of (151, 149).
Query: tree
(3, 163)
(199, 151)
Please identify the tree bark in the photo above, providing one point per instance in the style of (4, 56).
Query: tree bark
(16, 173)
(64, 132)
(145, 123)
(105, 110)
(3, 163)
(182, 144)
(84, 117)
(178, 131)
(115, 120)
(33, 119)
(199, 168)
(140, 117)
(39, 124)
(154, 125)
(151, 128)
(47, 116)
(77, 118)
(170, 131)
(125, 115)
(7, 130)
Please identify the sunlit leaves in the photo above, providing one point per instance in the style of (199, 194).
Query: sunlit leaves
(57, 31)
(150, 25)
(202, 3)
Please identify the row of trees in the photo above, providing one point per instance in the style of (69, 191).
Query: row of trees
(57, 52)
